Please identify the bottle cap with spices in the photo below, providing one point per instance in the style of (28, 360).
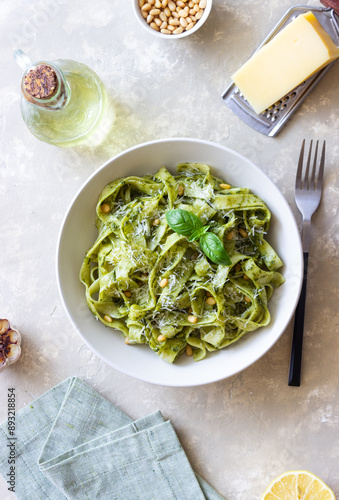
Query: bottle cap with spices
(41, 82)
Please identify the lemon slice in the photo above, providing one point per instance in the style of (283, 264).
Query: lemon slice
(298, 485)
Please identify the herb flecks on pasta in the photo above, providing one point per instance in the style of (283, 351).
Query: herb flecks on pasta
(160, 289)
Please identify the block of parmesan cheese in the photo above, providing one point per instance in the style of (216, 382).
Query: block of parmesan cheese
(298, 51)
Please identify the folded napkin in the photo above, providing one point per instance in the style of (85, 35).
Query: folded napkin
(73, 443)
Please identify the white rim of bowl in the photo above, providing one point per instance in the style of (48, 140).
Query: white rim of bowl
(88, 180)
(198, 25)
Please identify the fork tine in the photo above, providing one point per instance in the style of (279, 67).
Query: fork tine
(300, 166)
(321, 169)
(306, 179)
(312, 182)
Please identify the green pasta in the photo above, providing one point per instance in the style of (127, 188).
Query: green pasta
(158, 288)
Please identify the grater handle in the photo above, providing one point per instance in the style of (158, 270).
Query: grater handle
(333, 4)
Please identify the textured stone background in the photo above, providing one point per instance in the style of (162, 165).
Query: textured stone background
(238, 433)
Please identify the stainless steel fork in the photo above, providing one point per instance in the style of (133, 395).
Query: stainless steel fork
(308, 190)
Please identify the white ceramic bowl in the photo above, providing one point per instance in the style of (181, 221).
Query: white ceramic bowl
(199, 23)
(78, 232)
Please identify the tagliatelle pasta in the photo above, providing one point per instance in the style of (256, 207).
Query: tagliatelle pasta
(158, 288)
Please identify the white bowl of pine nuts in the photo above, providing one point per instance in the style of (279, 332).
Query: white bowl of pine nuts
(172, 18)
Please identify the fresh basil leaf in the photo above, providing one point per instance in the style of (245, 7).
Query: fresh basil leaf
(189, 225)
(183, 222)
(214, 249)
(198, 233)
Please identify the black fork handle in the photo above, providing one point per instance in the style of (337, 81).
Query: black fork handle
(298, 332)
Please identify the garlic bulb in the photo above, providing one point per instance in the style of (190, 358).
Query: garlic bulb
(10, 340)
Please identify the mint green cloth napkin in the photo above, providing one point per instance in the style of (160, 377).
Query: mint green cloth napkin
(73, 443)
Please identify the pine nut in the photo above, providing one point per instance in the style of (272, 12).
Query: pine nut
(237, 267)
(172, 16)
(225, 186)
(208, 294)
(189, 350)
(211, 301)
(248, 299)
(156, 222)
(192, 319)
(230, 235)
(161, 338)
(181, 190)
(163, 282)
(243, 232)
(246, 277)
(107, 318)
(105, 207)
(127, 341)
(127, 293)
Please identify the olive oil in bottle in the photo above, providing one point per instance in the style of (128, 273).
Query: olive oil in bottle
(64, 102)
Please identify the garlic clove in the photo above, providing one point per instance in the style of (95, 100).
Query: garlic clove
(4, 326)
(12, 337)
(13, 352)
(2, 359)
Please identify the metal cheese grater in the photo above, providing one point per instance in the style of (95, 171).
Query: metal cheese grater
(274, 118)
